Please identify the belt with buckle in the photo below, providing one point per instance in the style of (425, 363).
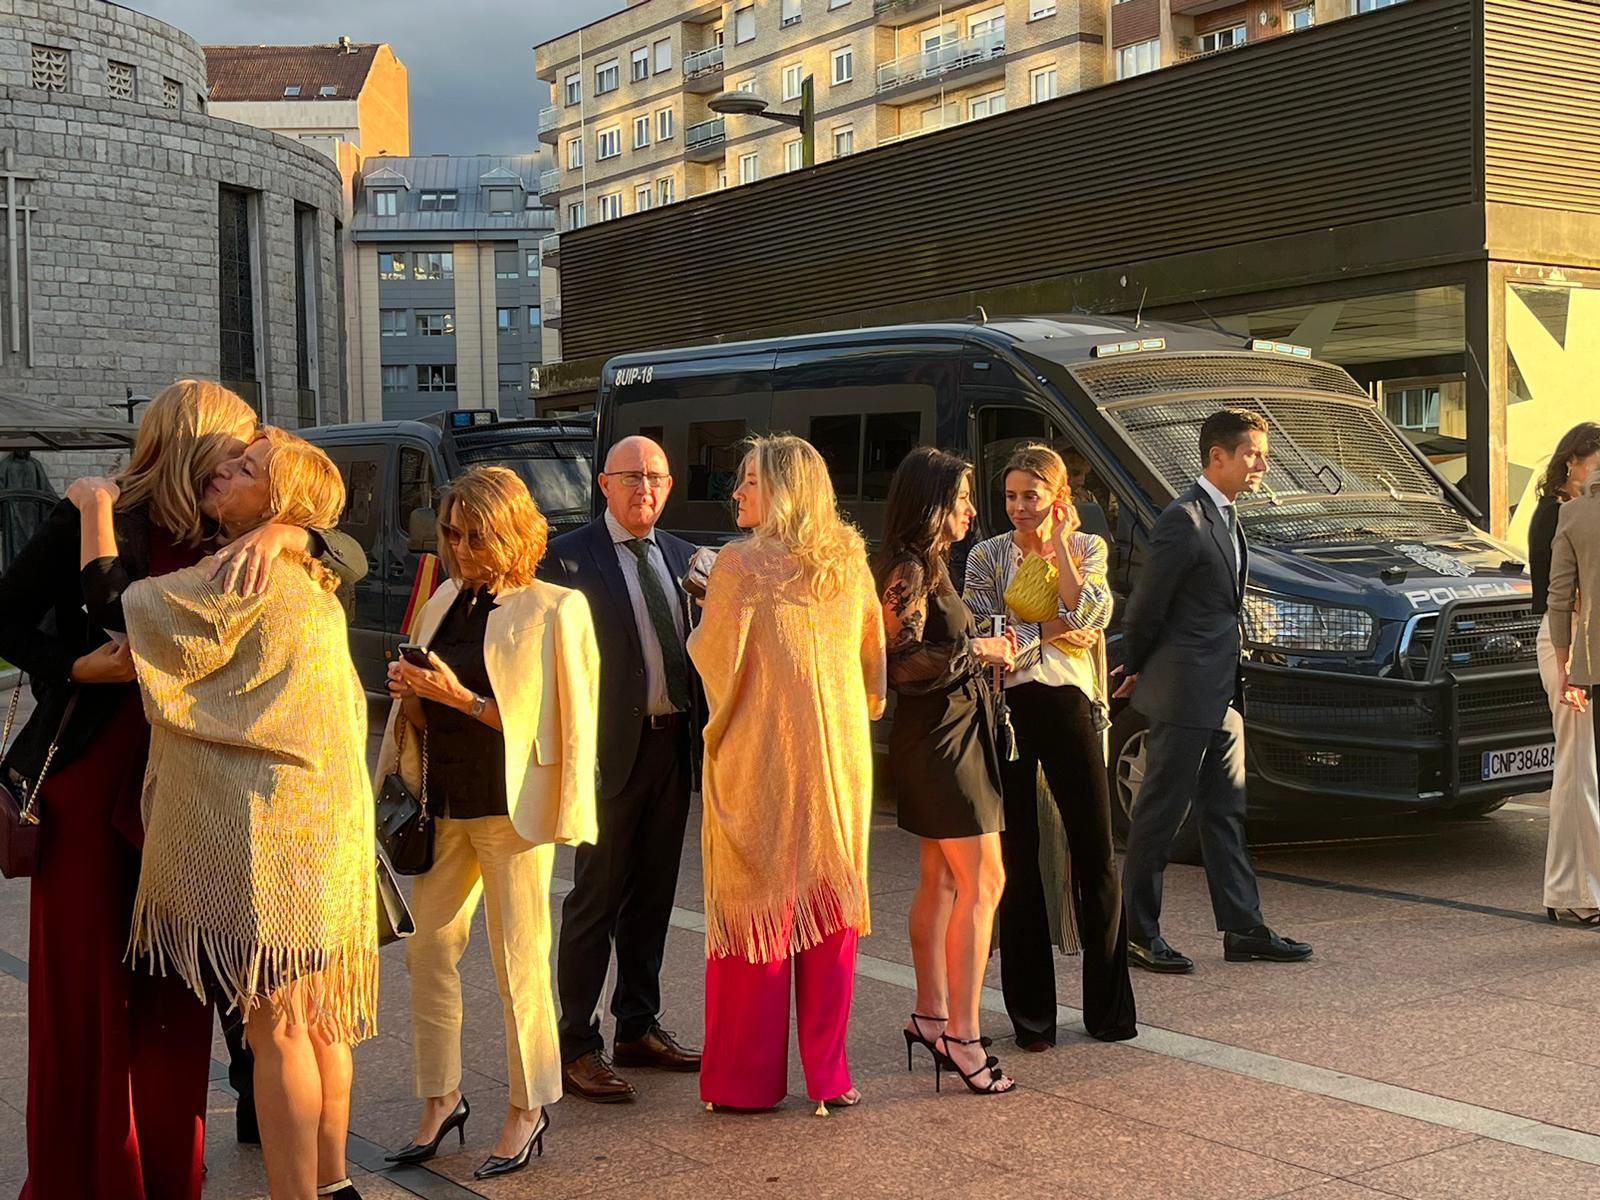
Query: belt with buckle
(663, 720)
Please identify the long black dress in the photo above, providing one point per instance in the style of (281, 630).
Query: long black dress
(942, 754)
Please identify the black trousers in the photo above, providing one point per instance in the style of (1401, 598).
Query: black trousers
(622, 894)
(1055, 730)
(1203, 768)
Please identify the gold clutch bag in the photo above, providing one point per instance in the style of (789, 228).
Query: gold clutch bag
(1033, 594)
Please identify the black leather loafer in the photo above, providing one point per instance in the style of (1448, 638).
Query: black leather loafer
(1159, 957)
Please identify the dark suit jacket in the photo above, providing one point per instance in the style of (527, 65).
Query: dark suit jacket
(586, 559)
(1180, 631)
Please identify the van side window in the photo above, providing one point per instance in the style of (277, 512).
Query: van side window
(362, 469)
(716, 448)
(1002, 430)
(416, 486)
(863, 451)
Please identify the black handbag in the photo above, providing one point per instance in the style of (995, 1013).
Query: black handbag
(404, 825)
(394, 915)
(19, 801)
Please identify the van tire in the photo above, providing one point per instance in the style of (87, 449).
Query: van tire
(1129, 731)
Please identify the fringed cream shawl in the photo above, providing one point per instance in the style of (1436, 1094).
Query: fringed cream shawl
(793, 684)
(258, 853)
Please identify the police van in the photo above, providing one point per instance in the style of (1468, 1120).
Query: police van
(1390, 643)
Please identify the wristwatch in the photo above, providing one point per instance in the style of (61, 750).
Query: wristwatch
(479, 703)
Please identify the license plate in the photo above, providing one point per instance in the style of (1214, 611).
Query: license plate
(1524, 760)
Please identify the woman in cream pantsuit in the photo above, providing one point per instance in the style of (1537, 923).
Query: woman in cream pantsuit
(509, 713)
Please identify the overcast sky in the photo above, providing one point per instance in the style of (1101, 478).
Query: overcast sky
(469, 62)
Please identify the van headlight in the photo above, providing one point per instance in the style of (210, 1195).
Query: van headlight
(1278, 623)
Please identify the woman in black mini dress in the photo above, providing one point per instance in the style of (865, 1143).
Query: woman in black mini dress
(943, 760)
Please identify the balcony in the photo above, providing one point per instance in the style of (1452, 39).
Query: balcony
(976, 57)
(550, 303)
(549, 122)
(550, 250)
(550, 182)
(702, 70)
(932, 127)
(703, 142)
(895, 13)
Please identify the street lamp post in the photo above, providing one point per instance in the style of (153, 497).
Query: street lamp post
(748, 104)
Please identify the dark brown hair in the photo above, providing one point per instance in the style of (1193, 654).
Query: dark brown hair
(921, 496)
(1578, 442)
(1227, 427)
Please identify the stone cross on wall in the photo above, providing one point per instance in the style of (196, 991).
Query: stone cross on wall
(16, 322)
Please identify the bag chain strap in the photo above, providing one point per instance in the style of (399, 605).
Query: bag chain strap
(29, 815)
(403, 723)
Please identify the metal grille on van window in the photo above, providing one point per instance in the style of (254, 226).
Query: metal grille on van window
(1138, 375)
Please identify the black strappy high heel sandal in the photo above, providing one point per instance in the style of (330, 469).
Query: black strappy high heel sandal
(1555, 915)
(916, 1039)
(944, 1061)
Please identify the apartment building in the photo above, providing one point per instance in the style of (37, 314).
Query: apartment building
(630, 122)
(447, 284)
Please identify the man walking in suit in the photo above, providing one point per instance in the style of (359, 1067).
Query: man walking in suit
(624, 884)
(1181, 642)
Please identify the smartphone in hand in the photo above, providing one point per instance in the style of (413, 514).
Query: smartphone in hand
(416, 656)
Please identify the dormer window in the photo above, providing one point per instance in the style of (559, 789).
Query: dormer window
(291, 91)
(502, 200)
(385, 202)
(436, 202)
(328, 89)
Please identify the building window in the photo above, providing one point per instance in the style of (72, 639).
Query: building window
(436, 324)
(608, 143)
(574, 153)
(392, 322)
(844, 141)
(639, 64)
(1222, 39)
(171, 94)
(1366, 6)
(749, 168)
(305, 311)
(1043, 82)
(437, 202)
(986, 106)
(505, 264)
(384, 202)
(236, 291)
(50, 69)
(663, 55)
(791, 81)
(610, 206)
(1415, 409)
(844, 65)
(533, 317)
(433, 264)
(1038, 9)
(576, 218)
(642, 196)
(791, 13)
(397, 379)
(833, 4)
(1138, 58)
(510, 377)
(328, 90)
(120, 80)
(505, 322)
(533, 264)
(748, 85)
(792, 155)
(664, 128)
(573, 90)
(666, 190)
(1300, 18)
(641, 132)
(502, 200)
(292, 91)
(436, 377)
(744, 25)
(605, 78)
(392, 264)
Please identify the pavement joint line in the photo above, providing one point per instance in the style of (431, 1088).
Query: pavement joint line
(1362, 889)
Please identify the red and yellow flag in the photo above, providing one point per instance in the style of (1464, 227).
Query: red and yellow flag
(430, 573)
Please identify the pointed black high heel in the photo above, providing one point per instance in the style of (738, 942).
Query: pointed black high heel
(495, 1165)
(413, 1153)
(1555, 916)
(943, 1061)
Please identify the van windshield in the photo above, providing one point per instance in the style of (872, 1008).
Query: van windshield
(558, 471)
(1338, 469)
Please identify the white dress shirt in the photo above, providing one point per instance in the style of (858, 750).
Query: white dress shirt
(1229, 516)
(655, 671)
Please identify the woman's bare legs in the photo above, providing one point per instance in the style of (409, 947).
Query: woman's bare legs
(975, 865)
(335, 1069)
(288, 1102)
(930, 921)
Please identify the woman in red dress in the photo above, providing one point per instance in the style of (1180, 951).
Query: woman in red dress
(117, 1061)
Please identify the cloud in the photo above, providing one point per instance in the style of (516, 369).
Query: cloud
(469, 62)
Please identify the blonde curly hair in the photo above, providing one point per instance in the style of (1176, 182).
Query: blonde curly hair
(802, 511)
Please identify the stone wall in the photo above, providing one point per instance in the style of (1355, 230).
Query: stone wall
(124, 259)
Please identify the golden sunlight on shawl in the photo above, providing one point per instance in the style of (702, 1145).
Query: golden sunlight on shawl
(258, 854)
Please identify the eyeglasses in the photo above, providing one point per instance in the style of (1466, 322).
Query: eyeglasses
(475, 540)
(632, 479)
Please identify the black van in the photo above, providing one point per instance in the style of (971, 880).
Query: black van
(1390, 642)
(393, 471)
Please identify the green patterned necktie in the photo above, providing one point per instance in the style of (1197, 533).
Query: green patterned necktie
(673, 655)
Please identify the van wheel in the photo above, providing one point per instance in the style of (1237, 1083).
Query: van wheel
(1130, 734)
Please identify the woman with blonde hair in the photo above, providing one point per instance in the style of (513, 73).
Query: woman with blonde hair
(256, 885)
(118, 1062)
(790, 649)
(497, 732)
(1057, 696)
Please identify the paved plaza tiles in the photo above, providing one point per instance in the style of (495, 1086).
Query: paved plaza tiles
(1442, 1045)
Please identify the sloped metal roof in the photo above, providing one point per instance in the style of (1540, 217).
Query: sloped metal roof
(470, 177)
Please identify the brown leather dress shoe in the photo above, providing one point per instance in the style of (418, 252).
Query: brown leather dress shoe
(591, 1077)
(658, 1049)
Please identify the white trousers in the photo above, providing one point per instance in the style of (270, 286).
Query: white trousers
(1572, 857)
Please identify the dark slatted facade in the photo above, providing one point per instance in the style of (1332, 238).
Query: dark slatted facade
(1364, 125)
